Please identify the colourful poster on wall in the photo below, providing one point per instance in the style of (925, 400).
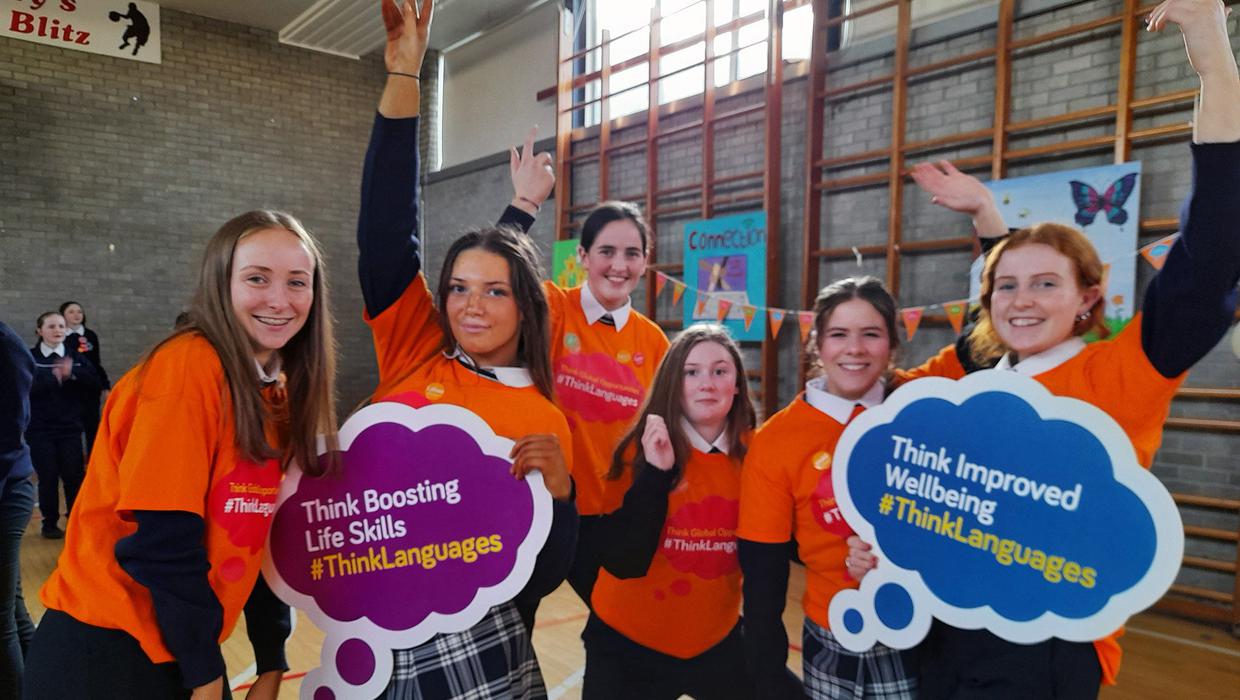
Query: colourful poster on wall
(725, 260)
(116, 28)
(1103, 202)
(566, 269)
(422, 531)
(1042, 525)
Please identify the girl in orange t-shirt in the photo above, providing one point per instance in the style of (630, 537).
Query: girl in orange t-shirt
(482, 345)
(1042, 290)
(603, 351)
(786, 494)
(666, 608)
(161, 555)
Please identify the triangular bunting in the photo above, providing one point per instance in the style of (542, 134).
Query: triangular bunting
(1156, 253)
(700, 309)
(748, 312)
(806, 319)
(678, 290)
(912, 319)
(776, 317)
(955, 313)
(660, 281)
(722, 312)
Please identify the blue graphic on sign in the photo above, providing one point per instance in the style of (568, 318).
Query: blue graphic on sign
(993, 503)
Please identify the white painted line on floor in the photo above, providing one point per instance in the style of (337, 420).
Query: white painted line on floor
(243, 677)
(1186, 642)
(568, 684)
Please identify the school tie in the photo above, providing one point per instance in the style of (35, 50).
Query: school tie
(857, 409)
(608, 320)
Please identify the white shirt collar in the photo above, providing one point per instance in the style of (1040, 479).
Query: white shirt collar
(80, 330)
(699, 443)
(271, 377)
(837, 407)
(49, 350)
(516, 377)
(594, 309)
(1044, 361)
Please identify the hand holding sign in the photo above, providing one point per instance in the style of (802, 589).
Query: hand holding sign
(423, 531)
(992, 503)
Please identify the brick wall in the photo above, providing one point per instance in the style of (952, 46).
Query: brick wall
(115, 173)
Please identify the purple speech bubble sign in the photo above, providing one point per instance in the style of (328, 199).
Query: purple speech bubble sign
(421, 533)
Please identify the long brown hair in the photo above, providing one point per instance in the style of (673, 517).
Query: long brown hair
(868, 289)
(524, 276)
(667, 393)
(308, 360)
(985, 343)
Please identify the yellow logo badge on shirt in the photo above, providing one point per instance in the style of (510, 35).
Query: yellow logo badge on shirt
(434, 391)
(821, 461)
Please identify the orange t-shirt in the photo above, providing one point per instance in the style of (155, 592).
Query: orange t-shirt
(601, 377)
(413, 370)
(786, 492)
(166, 443)
(1117, 376)
(690, 597)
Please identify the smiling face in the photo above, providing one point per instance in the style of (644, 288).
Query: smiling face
(52, 330)
(481, 309)
(271, 287)
(74, 315)
(614, 263)
(1036, 298)
(855, 348)
(709, 387)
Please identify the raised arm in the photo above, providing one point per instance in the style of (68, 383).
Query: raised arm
(387, 227)
(1190, 303)
(951, 189)
(533, 179)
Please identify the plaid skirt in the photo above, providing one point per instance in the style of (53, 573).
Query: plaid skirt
(831, 671)
(491, 660)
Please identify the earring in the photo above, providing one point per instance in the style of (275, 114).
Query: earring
(1083, 317)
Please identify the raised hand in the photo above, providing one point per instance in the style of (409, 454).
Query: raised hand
(951, 189)
(657, 444)
(860, 560)
(1204, 26)
(407, 35)
(533, 176)
(543, 452)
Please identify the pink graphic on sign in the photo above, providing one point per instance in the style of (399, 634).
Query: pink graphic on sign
(700, 537)
(597, 387)
(422, 531)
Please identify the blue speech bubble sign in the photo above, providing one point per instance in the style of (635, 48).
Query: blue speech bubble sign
(995, 504)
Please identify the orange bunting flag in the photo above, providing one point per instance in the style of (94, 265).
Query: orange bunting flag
(748, 312)
(678, 290)
(806, 319)
(700, 310)
(912, 319)
(722, 312)
(1156, 253)
(776, 317)
(955, 313)
(660, 281)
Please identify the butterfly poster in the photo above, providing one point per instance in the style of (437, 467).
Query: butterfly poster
(1103, 202)
(725, 261)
